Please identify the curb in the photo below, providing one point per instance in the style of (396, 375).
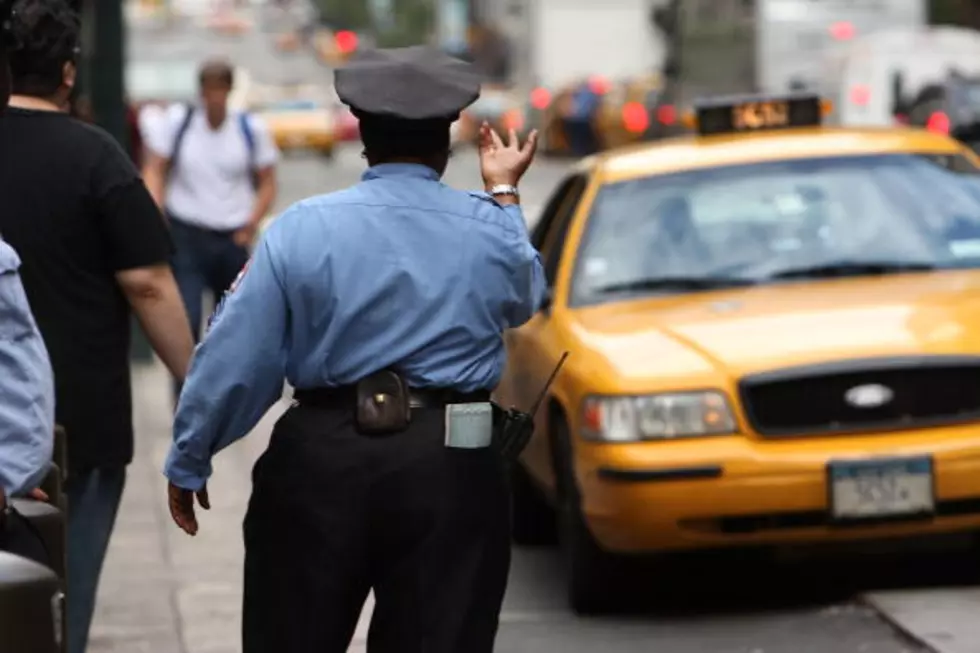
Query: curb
(886, 617)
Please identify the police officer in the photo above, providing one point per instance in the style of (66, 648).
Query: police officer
(26, 380)
(393, 291)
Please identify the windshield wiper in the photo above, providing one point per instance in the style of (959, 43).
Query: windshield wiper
(675, 284)
(851, 269)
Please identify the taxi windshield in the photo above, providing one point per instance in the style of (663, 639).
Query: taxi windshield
(776, 221)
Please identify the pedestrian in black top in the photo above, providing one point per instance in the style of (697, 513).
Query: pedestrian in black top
(93, 247)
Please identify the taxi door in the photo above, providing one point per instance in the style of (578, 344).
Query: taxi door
(532, 349)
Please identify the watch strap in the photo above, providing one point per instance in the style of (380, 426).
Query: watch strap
(504, 189)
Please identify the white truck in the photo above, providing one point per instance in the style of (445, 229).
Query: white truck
(775, 46)
(860, 80)
(558, 42)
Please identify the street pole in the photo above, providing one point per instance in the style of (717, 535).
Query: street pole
(106, 56)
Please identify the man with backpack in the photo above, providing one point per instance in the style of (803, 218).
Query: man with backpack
(212, 171)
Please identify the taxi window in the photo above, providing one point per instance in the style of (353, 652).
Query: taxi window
(954, 163)
(752, 223)
(552, 225)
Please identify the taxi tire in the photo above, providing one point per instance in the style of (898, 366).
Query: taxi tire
(595, 577)
(533, 521)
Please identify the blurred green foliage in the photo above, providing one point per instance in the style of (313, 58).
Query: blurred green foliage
(413, 20)
(345, 14)
(955, 12)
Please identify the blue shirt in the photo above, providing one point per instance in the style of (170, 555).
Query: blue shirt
(399, 271)
(26, 387)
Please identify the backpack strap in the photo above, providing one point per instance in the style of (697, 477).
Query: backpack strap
(244, 123)
(179, 137)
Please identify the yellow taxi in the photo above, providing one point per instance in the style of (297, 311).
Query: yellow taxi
(774, 337)
(300, 124)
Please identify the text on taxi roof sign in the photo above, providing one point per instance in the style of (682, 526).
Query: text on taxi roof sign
(748, 114)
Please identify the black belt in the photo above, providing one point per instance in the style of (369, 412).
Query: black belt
(345, 397)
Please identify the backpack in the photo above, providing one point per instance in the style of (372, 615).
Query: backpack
(243, 125)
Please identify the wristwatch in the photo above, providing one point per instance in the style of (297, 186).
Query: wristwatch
(504, 189)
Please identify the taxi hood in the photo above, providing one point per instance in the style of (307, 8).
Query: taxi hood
(699, 336)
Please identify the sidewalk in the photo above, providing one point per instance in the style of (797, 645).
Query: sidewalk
(945, 620)
(162, 591)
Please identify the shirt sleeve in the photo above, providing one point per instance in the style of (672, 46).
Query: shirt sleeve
(266, 152)
(132, 227)
(26, 387)
(528, 285)
(160, 129)
(237, 372)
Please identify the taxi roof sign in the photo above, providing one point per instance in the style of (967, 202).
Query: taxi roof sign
(751, 113)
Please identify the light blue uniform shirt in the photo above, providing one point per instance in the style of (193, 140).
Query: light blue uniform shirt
(399, 271)
(26, 387)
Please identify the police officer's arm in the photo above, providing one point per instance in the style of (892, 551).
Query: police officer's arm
(237, 372)
(26, 388)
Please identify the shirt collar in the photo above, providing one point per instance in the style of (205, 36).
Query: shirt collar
(413, 170)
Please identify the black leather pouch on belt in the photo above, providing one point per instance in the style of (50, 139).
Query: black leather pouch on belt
(382, 404)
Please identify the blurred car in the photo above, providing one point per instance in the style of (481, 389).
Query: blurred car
(333, 48)
(503, 108)
(175, 81)
(161, 81)
(774, 330)
(300, 124)
(347, 129)
(951, 106)
(630, 111)
(288, 42)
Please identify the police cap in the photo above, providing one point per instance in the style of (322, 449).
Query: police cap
(417, 83)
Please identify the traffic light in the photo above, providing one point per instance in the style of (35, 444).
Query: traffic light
(666, 19)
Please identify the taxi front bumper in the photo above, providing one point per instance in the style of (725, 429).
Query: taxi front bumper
(737, 491)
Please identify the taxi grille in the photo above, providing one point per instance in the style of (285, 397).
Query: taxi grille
(885, 394)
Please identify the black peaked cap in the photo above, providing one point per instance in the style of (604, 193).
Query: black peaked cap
(413, 83)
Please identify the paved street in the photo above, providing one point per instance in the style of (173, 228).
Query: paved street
(164, 592)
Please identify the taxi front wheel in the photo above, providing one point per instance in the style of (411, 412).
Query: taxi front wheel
(597, 580)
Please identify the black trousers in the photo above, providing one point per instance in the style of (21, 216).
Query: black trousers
(334, 514)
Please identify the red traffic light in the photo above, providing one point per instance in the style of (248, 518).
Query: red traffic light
(346, 41)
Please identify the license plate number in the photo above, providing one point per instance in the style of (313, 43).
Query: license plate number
(877, 489)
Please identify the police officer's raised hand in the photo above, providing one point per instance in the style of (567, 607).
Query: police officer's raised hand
(182, 506)
(504, 163)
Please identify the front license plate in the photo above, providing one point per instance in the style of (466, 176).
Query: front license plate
(881, 489)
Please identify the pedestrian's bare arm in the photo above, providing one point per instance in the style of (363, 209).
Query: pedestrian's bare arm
(155, 176)
(152, 293)
(265, 194)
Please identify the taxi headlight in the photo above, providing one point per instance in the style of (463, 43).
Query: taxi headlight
(657, 417)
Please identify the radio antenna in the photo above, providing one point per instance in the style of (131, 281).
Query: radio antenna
(547, 385)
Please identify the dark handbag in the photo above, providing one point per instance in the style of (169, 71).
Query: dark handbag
(20, 537)
(382, 404)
